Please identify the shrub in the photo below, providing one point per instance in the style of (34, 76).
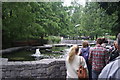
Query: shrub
(111, 37)
(53, 39)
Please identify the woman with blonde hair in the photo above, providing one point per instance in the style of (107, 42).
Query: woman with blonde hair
(73, 62)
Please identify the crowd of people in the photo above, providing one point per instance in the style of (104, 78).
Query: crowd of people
(99, 62)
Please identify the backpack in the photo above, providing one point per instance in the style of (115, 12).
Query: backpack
(85, 53)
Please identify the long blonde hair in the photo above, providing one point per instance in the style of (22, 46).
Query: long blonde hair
(72, 53)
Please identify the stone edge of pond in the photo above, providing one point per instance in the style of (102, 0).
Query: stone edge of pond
(4, 61)
(45, 68)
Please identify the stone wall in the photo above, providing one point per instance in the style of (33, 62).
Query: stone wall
(46, 68)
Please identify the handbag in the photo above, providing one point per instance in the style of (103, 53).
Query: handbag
(82, 72)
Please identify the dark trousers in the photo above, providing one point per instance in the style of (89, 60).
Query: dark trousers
(90, 71)
(95, 74)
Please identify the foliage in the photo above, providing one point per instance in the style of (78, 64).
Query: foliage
(111, 37)
(54, 39)
(16, 20)
(98, 22)
(110, 8)
(25, 20)
(93, 20)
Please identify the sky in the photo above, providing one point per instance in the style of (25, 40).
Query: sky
(67, 2)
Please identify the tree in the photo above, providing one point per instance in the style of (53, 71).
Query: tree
(99, 22)
(93, 20)
(25, 20)
(110, 8)
(16, 19)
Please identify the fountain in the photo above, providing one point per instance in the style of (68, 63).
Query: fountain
(34, 53)
(37, 54)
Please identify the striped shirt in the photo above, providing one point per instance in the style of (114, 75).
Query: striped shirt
(98, 57)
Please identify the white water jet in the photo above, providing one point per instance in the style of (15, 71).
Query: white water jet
(37, 53)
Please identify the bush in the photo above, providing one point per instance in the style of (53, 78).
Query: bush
(53, 39)
(111, 37)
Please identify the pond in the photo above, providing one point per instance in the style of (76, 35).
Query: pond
(25, 54)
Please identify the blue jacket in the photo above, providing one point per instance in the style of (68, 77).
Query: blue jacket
(85, 53)
(111, 71)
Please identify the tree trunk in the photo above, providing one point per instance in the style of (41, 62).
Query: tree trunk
(42, 37)
(96, 36)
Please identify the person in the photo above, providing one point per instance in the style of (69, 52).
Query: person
(114, 52)
(85, 53)
(73, 62)
(98, 58)
(112, 70)
(104, 42)
(85, 50)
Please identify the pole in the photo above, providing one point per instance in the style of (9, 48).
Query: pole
(76, 31)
